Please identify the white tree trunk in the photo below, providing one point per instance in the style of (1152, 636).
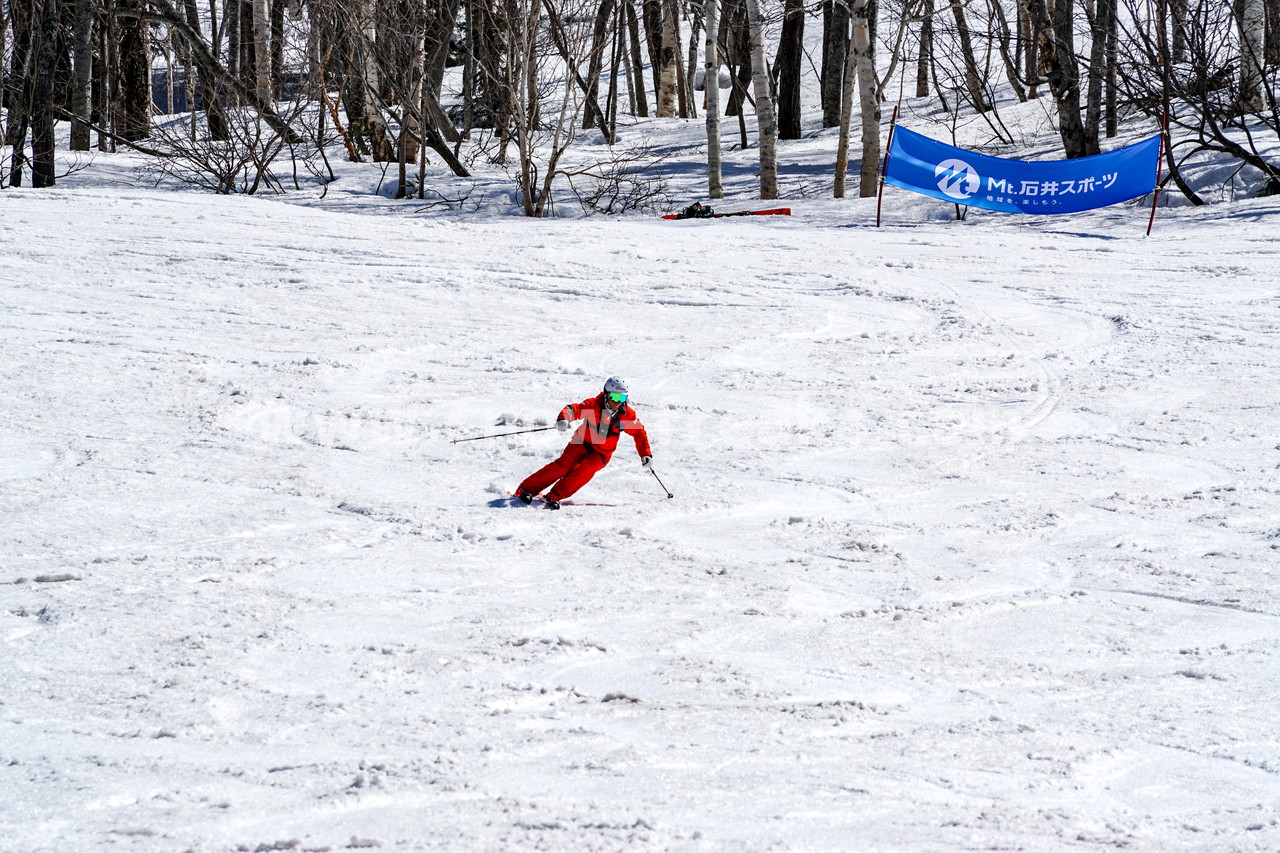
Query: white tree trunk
(859, 67)
(166, 49)
(667, 56)
(691, 66)
(870, 102)
(262, 49)
(768, 125)
(524, 71)
(711, 84)
(1252, 18)
(846, 119)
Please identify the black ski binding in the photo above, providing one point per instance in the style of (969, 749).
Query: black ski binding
(697, 210)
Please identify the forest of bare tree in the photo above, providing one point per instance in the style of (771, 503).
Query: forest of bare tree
(243, 95)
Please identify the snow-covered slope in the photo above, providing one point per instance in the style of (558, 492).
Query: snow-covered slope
(973, 543)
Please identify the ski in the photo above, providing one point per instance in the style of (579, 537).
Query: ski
(701, 211)
(514, 500)
(538, 500)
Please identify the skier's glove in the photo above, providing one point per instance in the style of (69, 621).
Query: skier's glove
(563, 426)
(646, 462)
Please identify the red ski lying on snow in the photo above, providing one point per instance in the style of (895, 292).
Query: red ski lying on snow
(701, 211)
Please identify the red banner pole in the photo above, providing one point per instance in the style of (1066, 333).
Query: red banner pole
(1164, 135)
(888, 149)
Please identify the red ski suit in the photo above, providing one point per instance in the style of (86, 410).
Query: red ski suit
(590, 448)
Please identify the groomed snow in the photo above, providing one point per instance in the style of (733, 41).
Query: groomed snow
(974, 546)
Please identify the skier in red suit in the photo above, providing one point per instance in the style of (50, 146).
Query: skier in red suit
(604, 419)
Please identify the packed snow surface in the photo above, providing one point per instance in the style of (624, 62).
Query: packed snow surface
(973, 543)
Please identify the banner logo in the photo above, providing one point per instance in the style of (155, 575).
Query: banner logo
(957, 179)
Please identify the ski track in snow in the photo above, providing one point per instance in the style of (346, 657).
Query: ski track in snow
(973, 545)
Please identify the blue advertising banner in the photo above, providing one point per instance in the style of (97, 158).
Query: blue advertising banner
(923, 165)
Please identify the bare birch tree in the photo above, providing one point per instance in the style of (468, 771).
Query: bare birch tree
(711, 83)
(870, 95)
(1251, 18)
(262, 48)
(374, 120)
(765, 120)
(669, 48)
(859, 70)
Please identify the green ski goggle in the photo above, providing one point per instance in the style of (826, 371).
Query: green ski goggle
(616, 397)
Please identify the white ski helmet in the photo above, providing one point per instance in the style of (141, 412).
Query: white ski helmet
(614, 385)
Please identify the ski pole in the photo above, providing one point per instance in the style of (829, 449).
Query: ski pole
(659, 479)
(501, 434)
